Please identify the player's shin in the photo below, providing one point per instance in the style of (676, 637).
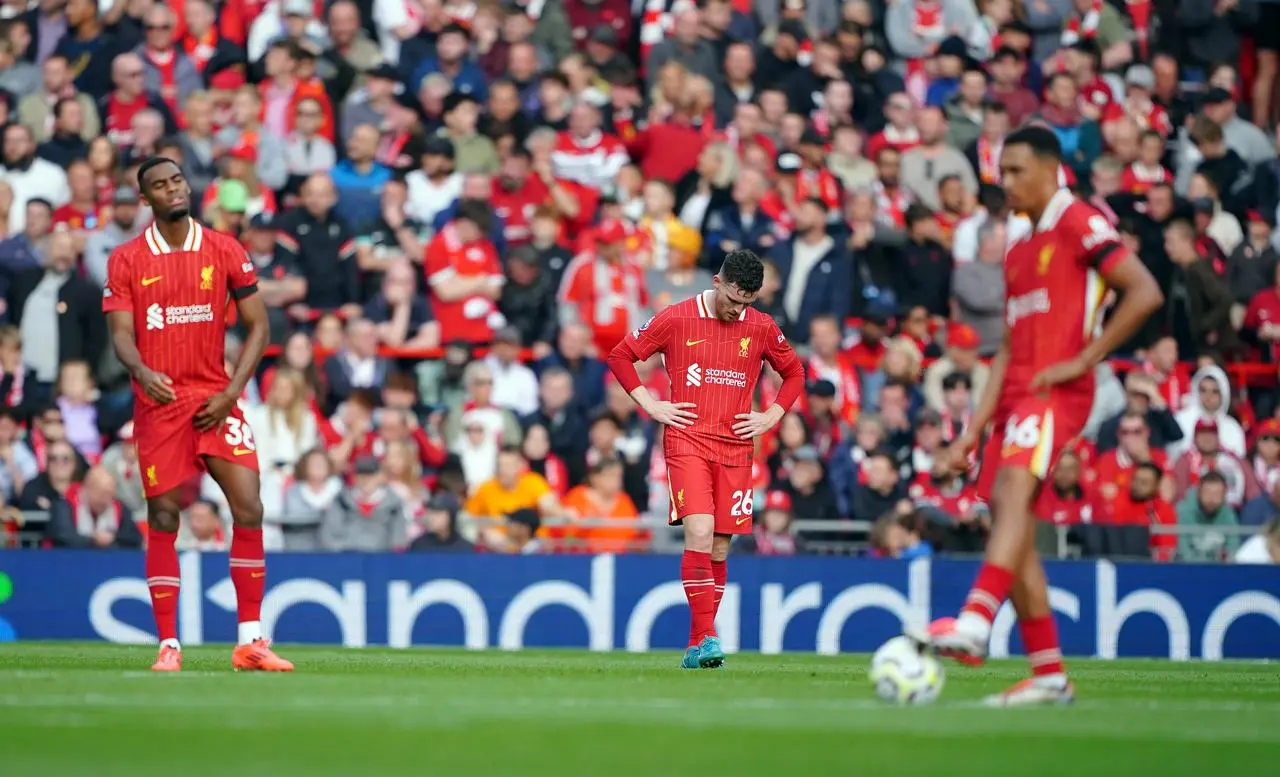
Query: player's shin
(719, 572)
(697, 576)
(249, 575)
(163, 572)
(1039, 630)
(1011, 539)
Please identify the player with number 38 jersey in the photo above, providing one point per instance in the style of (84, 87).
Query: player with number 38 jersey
(178, 297)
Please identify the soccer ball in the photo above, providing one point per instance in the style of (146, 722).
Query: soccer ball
(903, 673)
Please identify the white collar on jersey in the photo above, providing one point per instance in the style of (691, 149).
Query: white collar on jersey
(158, 245)
(707, 306)
(1057, 206)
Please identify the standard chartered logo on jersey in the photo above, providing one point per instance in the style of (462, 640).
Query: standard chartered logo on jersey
(174, 315)
(696, 376)
(693, 376)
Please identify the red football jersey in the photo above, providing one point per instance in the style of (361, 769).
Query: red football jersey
(1054, 294)
(716, 366)
(178, 298)
(473, 318)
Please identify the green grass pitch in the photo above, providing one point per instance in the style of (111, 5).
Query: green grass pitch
(88, 709)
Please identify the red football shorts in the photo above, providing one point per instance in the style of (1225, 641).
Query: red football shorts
(171, 450)
(1031, 437)
(701, 487)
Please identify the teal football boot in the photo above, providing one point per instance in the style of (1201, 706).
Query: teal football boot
(691, 659)
(710, 654)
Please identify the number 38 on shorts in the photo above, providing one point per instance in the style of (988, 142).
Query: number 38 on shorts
(701, 487)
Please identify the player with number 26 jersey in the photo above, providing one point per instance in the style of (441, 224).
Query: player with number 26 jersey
(178, 296)
(715, 365)
(1054, 294)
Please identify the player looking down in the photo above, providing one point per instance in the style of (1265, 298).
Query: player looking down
(1038, 397)
(166, 301)
(714, 346)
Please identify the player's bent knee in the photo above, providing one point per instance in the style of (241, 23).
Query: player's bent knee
(699, 530)
(720, 547)
(163, 519)
(249, 515)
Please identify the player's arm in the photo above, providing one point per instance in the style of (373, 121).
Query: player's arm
(780, 356)
(117, 304)
(637, 346)
(242, 284)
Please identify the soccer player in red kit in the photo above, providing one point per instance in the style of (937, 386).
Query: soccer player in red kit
(1039, 396)
(714, 346)
(166, 301)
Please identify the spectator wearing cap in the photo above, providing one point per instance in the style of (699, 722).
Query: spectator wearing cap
(290, 20)
(473, 152)
(367, 517)
(359, 179)
(464, 275)
(167, 70)
(322, 246)
(248, 141)
(978, 288)
(808, 487)
(280, 282)
(121, 227)
(130, 97)
(814, 270)
(1199, 306)
(584, 153)
(440, 528)
(772, 534)
(402, 315)
(306, 150)
(515, 387)
(529, 299)
(1205, 455)
(924, 166)
(519, 535)
(451, 61)
(38, 111)
(1243, 137)
(373, 102)
(605, 290)
(435, 184)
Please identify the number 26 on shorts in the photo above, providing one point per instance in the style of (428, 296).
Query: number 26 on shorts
(1022, 433)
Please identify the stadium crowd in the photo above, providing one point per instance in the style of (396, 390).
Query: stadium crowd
(456, 208)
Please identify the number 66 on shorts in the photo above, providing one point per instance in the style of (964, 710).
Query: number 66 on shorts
(1031, 438)
(701, 487)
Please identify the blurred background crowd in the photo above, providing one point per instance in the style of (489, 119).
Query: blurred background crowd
(456, 208)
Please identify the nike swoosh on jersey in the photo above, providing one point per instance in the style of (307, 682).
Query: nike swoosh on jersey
(742, 520)
(693, 342)
(241, 452)
(149, 281)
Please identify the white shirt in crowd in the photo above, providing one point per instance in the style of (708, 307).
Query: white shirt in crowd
(427, 198)
(41, 180)
(515, 387)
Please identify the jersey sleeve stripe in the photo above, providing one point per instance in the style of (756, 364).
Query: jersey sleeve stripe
(1105, 256)
(245, 291)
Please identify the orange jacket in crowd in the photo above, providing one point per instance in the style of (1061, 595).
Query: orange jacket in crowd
(624, 533)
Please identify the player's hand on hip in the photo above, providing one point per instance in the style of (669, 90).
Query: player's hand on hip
(214, 412)
(678, 414)
(157, 386)
(1062, 372)
(751, 425)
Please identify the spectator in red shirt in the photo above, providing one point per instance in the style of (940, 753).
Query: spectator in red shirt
(587, 16)
(1064, 500)
(1207, 455)
(128, 98)
(668, 149)
(585, 153)
(522, 185)
(465, 277)
(82, 214)
(900, 133)
(1115, 468)
(167, 71)
(1141, 505)
(605, 290)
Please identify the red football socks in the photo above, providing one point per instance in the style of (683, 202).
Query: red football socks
(718, 573)
(699, 589)
(989, 591)
(163, 572)
(1040, 640)
(248, 572)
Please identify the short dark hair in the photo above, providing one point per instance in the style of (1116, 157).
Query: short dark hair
(477, 212)
(1213, 476)
(1041, 140)
(148, 164)
(954, 380)
(512, 449)
(1154, 469)
(743, 269)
